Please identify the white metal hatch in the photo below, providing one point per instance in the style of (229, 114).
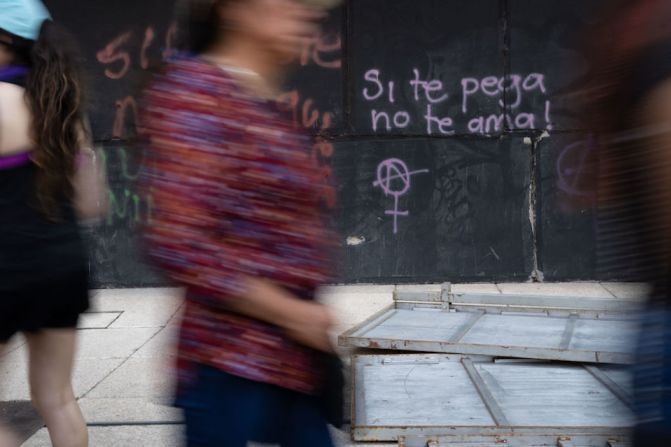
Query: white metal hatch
(455, 399)
(575, 329)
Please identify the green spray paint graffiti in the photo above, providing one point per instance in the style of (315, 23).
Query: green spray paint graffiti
(127, 206)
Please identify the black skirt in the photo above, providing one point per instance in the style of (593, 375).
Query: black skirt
(48, 303)
(43, 266)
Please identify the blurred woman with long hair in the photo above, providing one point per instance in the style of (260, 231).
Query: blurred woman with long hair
(48, 180)
(629, 108)
(237, 221)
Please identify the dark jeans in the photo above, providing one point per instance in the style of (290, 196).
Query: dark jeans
(652, 435)
(226, 410)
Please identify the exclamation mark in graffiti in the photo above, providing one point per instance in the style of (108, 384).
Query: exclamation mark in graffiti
(548, 123)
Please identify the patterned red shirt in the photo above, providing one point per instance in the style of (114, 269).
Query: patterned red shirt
(235, 193)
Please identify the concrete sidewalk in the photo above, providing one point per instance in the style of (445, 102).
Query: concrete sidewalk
(122, 376)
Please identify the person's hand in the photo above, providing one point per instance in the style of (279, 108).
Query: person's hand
(306, 322)
(310, 326)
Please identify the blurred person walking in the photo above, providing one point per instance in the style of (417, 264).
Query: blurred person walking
(48, 179)
(630, 108)
(237, 221)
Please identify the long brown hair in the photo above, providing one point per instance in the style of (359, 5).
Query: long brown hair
(199, 24)
(55, 97)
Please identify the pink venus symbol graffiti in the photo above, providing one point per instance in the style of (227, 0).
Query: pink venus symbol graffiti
(394, 177)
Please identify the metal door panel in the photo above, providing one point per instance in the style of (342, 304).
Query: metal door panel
(451, 395)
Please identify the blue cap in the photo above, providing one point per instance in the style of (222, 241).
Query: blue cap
(23, 18)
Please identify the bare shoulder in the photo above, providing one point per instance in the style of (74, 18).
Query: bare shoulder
(12, 97)
(8, 91)
(15, 118)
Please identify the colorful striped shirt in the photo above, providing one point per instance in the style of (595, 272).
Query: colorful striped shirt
(235, 194)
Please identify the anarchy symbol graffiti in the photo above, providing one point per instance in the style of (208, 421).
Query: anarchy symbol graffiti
(394, 178)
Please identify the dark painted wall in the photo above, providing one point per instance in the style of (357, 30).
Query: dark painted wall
(433, 116)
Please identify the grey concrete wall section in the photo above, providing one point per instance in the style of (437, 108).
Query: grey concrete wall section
(450, 133)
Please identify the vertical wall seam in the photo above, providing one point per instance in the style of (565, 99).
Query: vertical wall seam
(346, 67)
(534, 211)
(504, 37)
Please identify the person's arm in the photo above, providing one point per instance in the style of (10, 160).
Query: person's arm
(307, 322)
(89, 181)
(191, 174)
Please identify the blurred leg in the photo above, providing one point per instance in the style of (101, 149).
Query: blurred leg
(224, 410)
(51, 362)
(653, 435)
(6, 438)
(306, 426)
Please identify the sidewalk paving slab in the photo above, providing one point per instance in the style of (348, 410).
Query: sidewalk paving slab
(161, 436)
(14, 344)
(419, 288)
(627, 290)
(118, 410)
(161, 345)
(352, 304)
(88, 372)
(98, 320)
(112, 342)
(141, 307)
(122, 436)
(591, 289)
(137, 377)
(475, 288)
(123, 370)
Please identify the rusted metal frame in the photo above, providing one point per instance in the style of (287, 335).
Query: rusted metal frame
(403, 360)
(446, 295)
(376, 319)
(568, 332)
(540, 303)
(357, 404)
(583, 438)
(350, 338)
(612, 386)
(467, 326)
(488, 350)
(592, 307)
(414, 305)
(539, 311)
(419, 359)
(596, 314)
(485, 394)
(458, 436)
(514, 442)
(440, 299)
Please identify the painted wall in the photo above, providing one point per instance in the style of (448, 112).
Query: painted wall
(447, 128)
